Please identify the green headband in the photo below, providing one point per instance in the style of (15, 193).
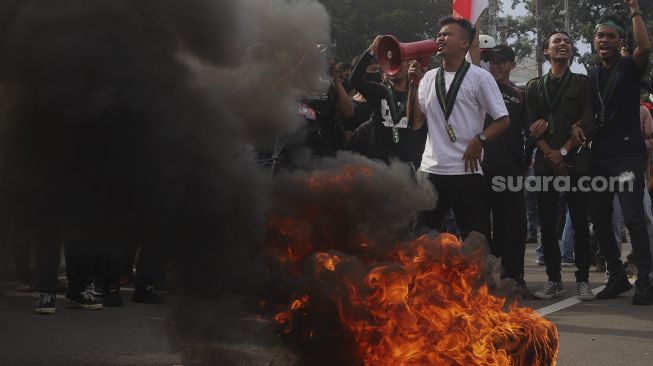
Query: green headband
(612, 24)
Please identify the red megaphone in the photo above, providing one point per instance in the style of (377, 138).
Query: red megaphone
(391, 53)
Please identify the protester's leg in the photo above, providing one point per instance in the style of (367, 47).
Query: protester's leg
(561, 214)
(632, 206)
(128, 260)
(510, 219)
(432, 219)
(601, 208)
(449, 224)
(547, 208)
(534, 223)
(601, 213)
(577, 202)
(150, 271)
(649, 222)
(499, 229)
(617, 221)
(47, 242)
(80, 255)
(110, 263)
(47, 245)
(531, 215)
(471, 205)
(79, 264)
(22, 258)
(568, 239)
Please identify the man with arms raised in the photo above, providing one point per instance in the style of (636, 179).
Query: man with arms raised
(453, 100)
(390, 135)
(618, 148)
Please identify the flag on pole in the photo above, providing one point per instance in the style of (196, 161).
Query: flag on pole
(469, 9)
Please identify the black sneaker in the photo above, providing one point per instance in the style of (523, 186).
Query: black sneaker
(47, 304)
(96, 290)
(615, 287)
(112, 298)
(643, 294)
(531, 240)
(146, 295)
(83, 299)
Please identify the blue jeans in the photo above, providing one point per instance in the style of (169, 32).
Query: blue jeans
(531, 210)
(567, 248)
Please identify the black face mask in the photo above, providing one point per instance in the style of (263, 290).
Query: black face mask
(347, 85)
(373, 76)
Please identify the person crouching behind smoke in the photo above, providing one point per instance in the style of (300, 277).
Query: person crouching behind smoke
(618, 150)
(560, 114)
(391, 135)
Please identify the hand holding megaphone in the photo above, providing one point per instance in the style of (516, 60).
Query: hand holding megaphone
(391, 53)
(373, 48)
(415, 72)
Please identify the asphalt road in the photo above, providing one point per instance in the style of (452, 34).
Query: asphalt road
(608, 332)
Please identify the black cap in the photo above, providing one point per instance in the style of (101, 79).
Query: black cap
(500, 51)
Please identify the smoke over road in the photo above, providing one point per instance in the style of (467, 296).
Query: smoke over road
(139, 119)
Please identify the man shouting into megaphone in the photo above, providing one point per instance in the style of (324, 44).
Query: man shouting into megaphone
(453, 100)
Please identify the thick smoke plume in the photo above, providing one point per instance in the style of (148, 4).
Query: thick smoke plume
(140, 119)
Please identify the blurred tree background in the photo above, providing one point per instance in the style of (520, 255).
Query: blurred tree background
(355, 23)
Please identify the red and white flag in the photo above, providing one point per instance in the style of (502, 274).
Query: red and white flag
(469, 9)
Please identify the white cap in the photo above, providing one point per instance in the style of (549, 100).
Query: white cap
(486, 41)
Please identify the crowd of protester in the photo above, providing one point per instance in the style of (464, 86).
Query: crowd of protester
(95, 271)
(465, 123)
(460, 126)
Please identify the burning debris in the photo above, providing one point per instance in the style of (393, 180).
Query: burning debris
(424, 301)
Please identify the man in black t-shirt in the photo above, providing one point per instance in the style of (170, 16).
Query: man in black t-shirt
(390, 134)
(504, 159)
(618, 148)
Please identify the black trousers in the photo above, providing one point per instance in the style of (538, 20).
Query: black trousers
(46, 241)
(508, 240)
(466, 195)
(23, 259)
(86, 259)
(151, 268)
(632, 207)
(548, 205)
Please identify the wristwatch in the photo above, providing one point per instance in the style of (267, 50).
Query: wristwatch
(635, 13)
(482, 137)
(563, 151)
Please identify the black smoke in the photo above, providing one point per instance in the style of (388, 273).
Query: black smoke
(141, 118)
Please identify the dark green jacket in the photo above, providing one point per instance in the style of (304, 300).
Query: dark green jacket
(575, 105)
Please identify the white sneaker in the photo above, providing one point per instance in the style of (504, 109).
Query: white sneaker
(583, 291)
(550, 290)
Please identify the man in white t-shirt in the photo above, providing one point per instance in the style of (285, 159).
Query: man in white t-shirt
(453, 100)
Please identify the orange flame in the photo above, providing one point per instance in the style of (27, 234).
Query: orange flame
(285, 318)
(430, 309)
(429, 306)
